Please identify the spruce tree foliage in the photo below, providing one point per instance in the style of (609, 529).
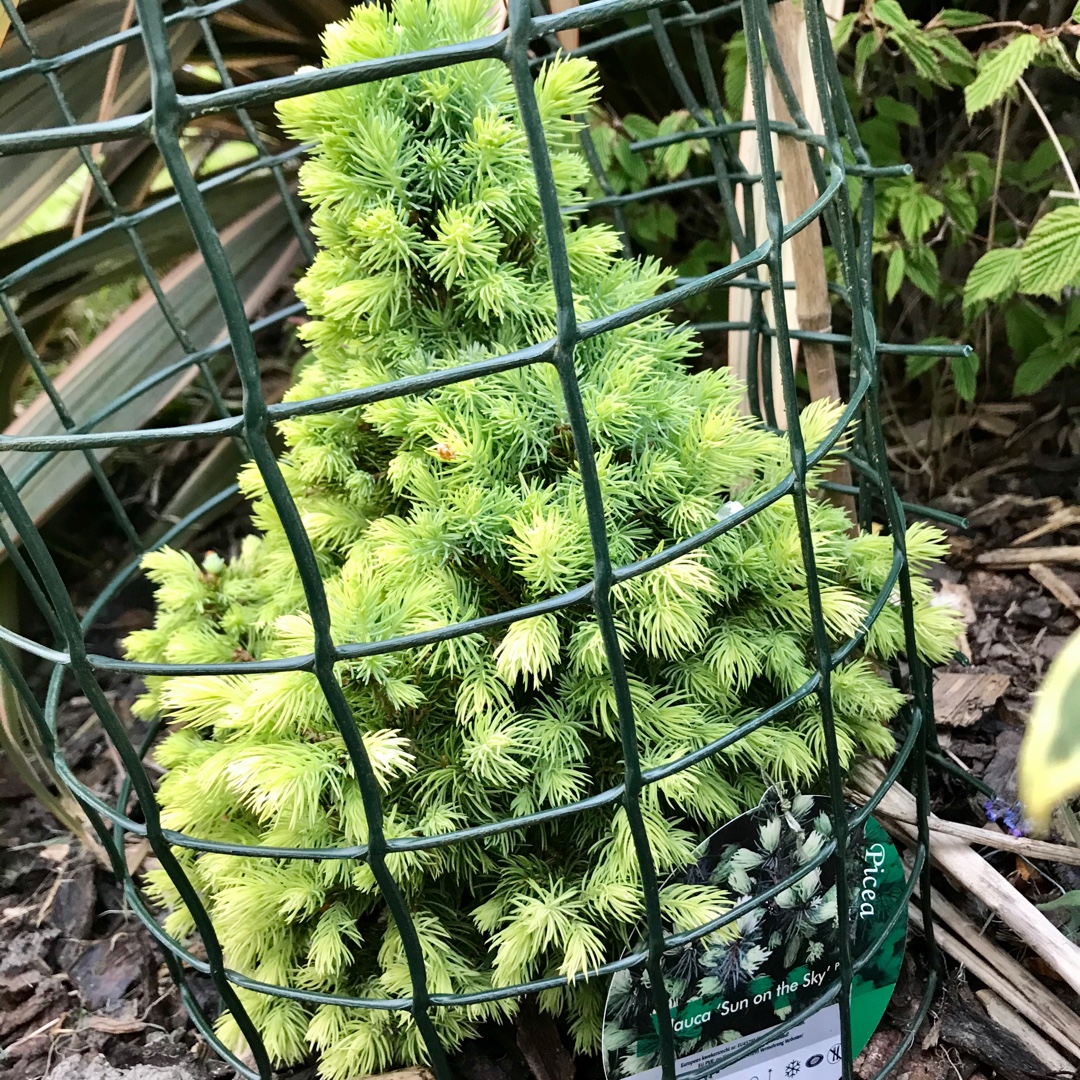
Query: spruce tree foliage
(434, 509)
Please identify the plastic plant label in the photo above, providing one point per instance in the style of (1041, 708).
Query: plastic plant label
(731, 989)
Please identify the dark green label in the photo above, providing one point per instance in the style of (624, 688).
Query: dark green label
(777, 960)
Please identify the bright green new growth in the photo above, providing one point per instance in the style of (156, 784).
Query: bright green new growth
(431, 510)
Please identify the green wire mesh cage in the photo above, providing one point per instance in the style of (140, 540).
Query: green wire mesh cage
(678, 32)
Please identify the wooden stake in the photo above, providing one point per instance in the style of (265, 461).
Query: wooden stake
(801, 76)
(813, 310)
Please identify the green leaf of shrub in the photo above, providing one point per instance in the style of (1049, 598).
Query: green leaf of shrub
(735, 74)
(950, 48)
(638, 126)
(915, 366)
(1051, 256)
(964, 370)
(1026, 328)
(918, 49)
(1043, 364)
(922, 270)
(956, 17)
(892, 15)
(897, 111)
(894, 275)
(866, 46)
(841, 34)
(1044, 159)
(674, 159)
(1001, 73)
(918, 214)
(994, 276)
(1049, 765)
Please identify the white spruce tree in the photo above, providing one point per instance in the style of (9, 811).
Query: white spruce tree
(431, 509)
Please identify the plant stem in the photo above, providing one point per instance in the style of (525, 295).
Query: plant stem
(1053, 137)
(998, 165)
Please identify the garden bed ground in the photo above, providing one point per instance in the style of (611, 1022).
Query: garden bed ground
(80, 978)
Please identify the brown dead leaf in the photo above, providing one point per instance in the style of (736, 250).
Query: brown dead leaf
(1025, 871)
(135, 854)
(55, 853)
(961, 698)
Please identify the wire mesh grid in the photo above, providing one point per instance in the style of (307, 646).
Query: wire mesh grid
(835, 155)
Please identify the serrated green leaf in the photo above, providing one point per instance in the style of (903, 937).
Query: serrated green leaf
(1042, 365)
(644, 225)
(735, 74)
(915, 366)
(897, 111)
(1026, 328)
(1072, 316)
(842, 31)
(962, 210)
(1049, 764)
(1076, 13)
(917, 47)
(881, 138)
(894, 275)
(603, 137)
(950, 48)
(964, 370)
(1044, 158)
(922, 270)
(634, 165)
(1051, 257)
(1000, 73)
(918, 214)
(956, 17)
(639, 127)
(891, 14)
(667, 221)
(993, 277)
(1054, 51)
(865, 48)
(679, 120)
(674, 159)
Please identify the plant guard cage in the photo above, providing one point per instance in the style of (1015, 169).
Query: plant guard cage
(677, 30)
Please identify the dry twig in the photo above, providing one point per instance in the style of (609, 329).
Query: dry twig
(957, 859)
(1067, 554)
(1057, 586)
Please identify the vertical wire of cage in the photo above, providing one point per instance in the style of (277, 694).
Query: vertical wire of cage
(835, 156)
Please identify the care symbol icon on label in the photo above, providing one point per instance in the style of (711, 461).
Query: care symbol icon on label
(793, 1068)
(814, 1060)
(834, 1054)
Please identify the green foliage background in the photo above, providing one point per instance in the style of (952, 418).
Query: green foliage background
(981, 244)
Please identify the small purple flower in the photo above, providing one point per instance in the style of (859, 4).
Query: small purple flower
(1009, 814)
